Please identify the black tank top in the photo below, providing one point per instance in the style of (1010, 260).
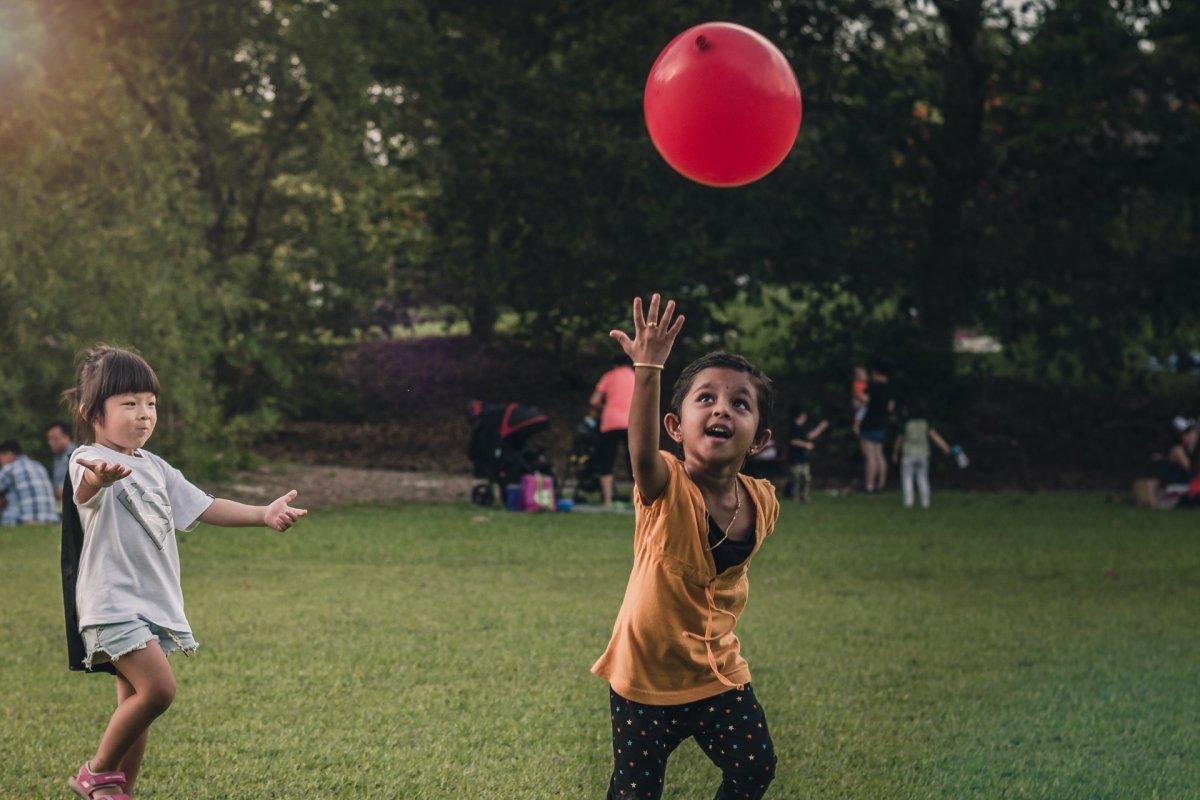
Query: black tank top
(728, 553)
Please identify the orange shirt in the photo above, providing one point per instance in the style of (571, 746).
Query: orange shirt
(617, 387)
(673, 641)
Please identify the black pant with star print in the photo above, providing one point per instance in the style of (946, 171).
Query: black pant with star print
(730, 728)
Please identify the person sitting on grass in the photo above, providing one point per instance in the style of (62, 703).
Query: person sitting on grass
(674, 665)
(127, 598)
(26, 487)
(912, 451)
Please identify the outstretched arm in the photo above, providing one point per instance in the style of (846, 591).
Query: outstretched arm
(939, 441)
(97, 475)
(652, 342)
(230, 514)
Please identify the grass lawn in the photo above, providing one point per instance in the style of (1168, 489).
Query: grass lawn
(1014, 646)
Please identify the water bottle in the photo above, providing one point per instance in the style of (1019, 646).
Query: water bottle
(960, 457)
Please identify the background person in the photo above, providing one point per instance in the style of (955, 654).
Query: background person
(873, 430)
(912, 451)
(26, 487)
(611, 400)
(58, 439)
(801, 440)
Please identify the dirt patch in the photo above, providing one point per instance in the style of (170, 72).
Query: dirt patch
(328, 487)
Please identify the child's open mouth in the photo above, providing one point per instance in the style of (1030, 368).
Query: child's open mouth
(719, 432)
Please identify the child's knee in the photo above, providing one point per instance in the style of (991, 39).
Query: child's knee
(158, 697)
(753, 771)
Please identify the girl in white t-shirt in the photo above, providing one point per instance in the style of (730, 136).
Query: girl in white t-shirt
(130, 503)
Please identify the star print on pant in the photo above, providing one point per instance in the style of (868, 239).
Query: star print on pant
(730, 728)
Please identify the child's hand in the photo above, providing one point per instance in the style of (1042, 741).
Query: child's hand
(101, 474)
(653, 336)
(280, 516)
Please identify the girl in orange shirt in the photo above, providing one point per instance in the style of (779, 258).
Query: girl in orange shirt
(673, 664)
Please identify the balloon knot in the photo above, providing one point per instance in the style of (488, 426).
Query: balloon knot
(702, 42)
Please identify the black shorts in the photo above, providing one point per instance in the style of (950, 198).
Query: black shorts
(605, 455)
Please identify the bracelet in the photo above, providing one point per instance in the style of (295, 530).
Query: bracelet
(647, 366)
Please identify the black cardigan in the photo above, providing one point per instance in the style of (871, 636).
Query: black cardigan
(72, 547)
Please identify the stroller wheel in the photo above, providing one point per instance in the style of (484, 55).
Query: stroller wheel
(482, 495)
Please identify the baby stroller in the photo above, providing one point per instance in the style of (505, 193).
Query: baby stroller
(500, 448)
(581, 472)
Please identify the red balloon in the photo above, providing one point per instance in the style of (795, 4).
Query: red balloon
(722, 104)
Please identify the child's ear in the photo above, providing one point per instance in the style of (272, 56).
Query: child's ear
(760, 441)
(671, 423)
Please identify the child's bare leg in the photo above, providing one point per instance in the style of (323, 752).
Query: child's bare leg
(148, 672)
(131, 763)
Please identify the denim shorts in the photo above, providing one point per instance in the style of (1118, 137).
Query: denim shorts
(876, 435)
(108, 642)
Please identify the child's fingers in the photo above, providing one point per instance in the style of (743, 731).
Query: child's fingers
(675, 328)
(300, 512)
(290, 496)
(668, 312)
(639, 321)
(622, 338)
(88, 463)
(652, 315)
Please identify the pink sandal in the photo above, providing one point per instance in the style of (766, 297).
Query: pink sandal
(87, 782)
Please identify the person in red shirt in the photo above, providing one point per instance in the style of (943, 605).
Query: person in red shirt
(611, 400)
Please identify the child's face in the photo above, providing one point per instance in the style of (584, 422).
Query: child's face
(860, 373)
(718, 418)
(128, 421)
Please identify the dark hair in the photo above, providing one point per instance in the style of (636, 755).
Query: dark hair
(11, 446)
(763, 389)
(62, 426)
(102, 372)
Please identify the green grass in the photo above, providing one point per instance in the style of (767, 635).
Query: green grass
(997, 646)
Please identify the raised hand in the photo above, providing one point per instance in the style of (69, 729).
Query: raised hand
(654, 336)
(101, 474)
(281, 516)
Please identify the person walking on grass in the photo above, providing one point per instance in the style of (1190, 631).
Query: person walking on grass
(912, 451)
(673, 664)
(123, 600)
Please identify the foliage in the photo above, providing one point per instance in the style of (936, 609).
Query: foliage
(232, 186)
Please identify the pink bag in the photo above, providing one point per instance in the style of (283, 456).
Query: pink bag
(537, 492)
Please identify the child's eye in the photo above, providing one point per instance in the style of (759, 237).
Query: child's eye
(703, 398)
(741, 404)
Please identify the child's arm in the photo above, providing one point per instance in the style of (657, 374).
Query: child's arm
(939, 441)
(896, 449)
(230, 514)
(817, 431)
(652, 342)
(97, 475)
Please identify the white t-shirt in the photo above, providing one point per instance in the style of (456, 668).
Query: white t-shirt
(129, 566)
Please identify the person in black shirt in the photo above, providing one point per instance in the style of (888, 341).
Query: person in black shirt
(801, 440)
(880, 405)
